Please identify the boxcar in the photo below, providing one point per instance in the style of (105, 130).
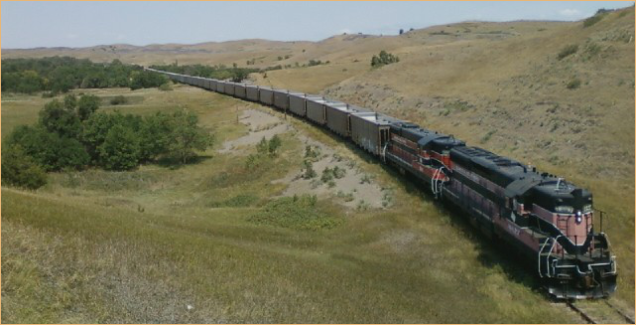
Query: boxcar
(266, 96)
(297, 104)
(239, 90)
(252, 92)
(339, 117)
(213, 84)
(229, 88)
(220, 86)
(281, 99)
(207, 84)
(199, 82)
(370, 131)
(316, 110)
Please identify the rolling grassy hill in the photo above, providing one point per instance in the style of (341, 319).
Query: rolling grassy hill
(141, 246)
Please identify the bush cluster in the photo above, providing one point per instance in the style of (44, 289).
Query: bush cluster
(383, 58)
(61, 74)
(264, 150)
(19, 170)
(328, 174)
(70, 134)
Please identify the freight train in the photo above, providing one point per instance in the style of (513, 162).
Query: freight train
(549, 220)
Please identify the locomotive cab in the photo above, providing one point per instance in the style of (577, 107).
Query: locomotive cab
(574, 257)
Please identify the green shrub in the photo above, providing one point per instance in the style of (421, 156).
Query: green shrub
(146, 79)
(165, 87)
(487, 136)
(574, 83)
(309, 170)
(86, 106)
(118, 100)
(48, 149)
(383, 58)
(567, 51)
(120, 150)
(155, 135)
(20, 170)
(273, 145)
(339, 172)
(312, 153)
(327, 175)
(186, 136)
(365, 179)
(346, 197)
(58, 118)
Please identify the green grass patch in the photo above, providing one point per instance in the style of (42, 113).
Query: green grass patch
(241, 200)
(297, 212)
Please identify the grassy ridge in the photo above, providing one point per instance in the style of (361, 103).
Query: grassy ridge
(82, 250)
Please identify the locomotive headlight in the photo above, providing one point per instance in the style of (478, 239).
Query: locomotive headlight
(578, 218)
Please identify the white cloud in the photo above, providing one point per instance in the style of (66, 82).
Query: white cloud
(570, 13)
(72, 36)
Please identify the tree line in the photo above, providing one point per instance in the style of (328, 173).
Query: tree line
(220, 72)
(61, 74)
(72, 135)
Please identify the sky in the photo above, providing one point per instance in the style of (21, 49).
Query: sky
(82, 24)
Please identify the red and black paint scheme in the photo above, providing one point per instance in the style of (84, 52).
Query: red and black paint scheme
(546, 218)
(549, 220)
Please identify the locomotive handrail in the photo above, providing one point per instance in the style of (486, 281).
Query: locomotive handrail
(539, 257)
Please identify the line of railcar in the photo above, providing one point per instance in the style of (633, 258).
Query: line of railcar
(544, 217)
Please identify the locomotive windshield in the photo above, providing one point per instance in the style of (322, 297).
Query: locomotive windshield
(560, 197)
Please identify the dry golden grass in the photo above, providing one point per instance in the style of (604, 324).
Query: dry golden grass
(497, 85)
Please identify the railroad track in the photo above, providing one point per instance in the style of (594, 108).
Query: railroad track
(627, 318)
(598, 312)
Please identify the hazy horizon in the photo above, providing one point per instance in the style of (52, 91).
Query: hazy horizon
(86, 24)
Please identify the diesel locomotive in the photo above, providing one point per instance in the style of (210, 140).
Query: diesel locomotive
(549, 220)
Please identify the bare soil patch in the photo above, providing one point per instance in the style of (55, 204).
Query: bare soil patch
(352, 187)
